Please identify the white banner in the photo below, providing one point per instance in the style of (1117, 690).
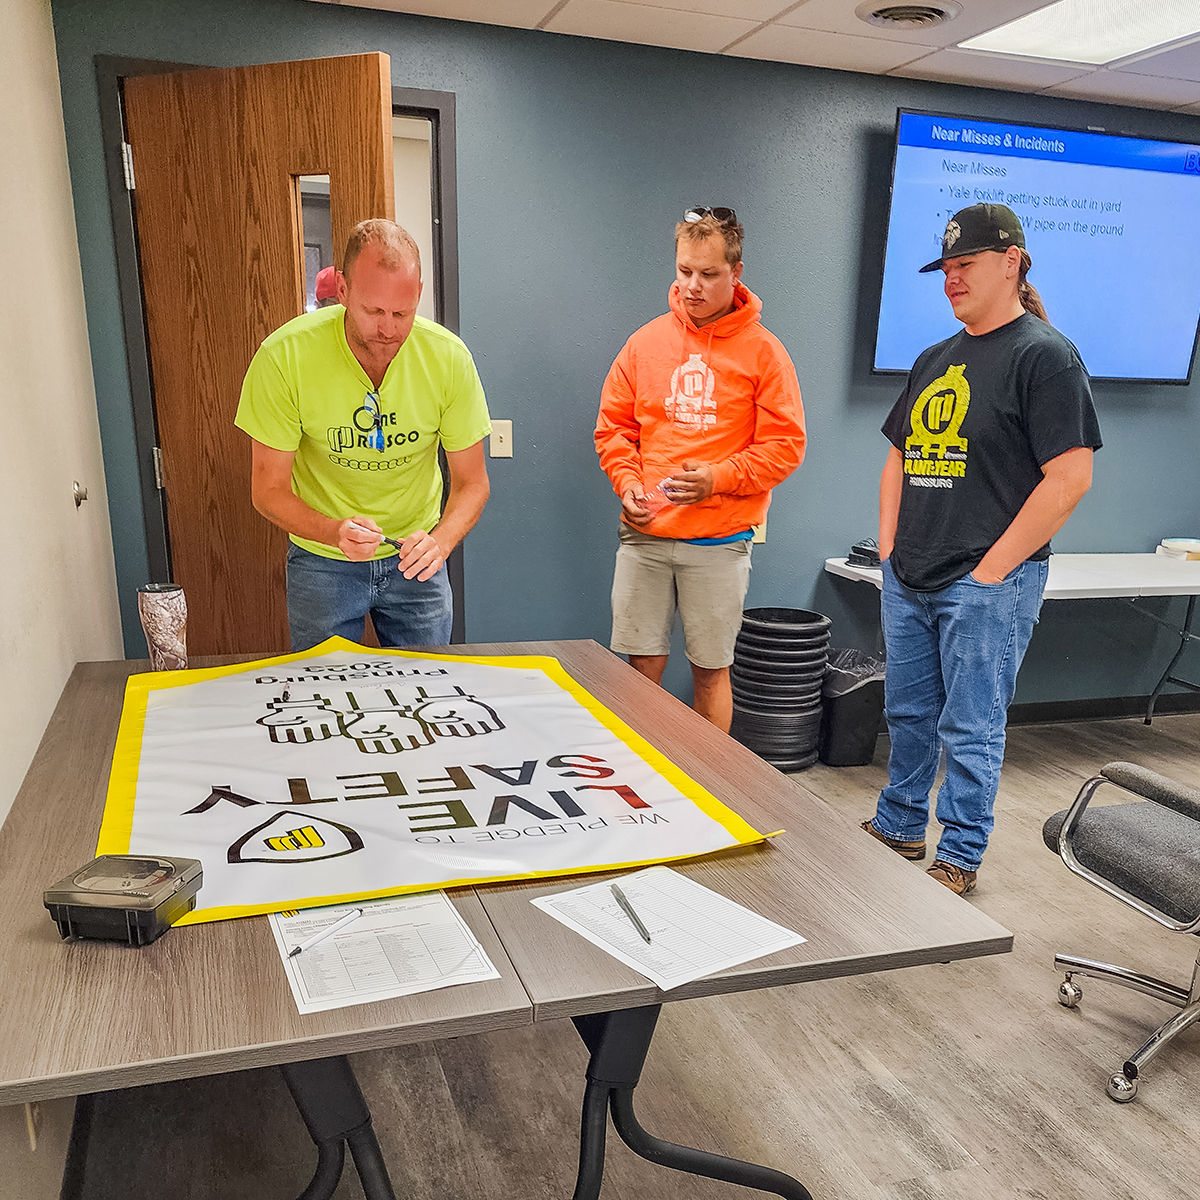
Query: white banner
(346, 772)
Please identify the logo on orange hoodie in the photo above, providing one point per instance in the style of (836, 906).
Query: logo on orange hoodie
(691, 405)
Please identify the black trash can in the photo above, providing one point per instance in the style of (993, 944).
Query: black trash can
(853, 708)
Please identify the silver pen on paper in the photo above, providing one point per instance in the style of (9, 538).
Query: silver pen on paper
(383, 537)
(328, 931)
(630, 912)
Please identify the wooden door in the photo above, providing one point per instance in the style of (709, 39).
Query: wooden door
(216, 160)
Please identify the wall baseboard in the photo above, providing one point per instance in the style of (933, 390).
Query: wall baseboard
(1102, 709)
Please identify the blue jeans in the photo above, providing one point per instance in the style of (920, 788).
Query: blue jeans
(952, 662)
(328, 596)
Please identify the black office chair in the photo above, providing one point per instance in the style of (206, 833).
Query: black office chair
(1148, 855)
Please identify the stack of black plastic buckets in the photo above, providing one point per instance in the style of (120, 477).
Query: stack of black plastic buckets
(778, 666)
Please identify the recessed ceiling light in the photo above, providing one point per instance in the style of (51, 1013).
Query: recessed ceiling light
(907, 16)
(1092, 31)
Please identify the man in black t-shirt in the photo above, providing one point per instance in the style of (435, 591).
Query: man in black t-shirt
(992, 442)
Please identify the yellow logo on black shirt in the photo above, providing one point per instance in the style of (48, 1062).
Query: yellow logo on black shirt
(935, 453)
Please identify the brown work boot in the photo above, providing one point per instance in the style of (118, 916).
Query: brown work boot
(913, 851)
(960, 882)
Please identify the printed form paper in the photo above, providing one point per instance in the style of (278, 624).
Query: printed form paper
(398, 946)
(693, 930)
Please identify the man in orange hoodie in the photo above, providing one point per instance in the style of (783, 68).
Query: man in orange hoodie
(700, 417)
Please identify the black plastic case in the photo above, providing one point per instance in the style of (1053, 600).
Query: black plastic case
(864, 554)
(130, 898)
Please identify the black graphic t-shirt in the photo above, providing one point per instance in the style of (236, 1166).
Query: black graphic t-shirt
(976, 422)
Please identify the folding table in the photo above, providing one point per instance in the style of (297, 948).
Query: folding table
(1092, 576)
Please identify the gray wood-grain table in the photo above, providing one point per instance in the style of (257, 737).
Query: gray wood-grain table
(860, 907)
(89, 1016)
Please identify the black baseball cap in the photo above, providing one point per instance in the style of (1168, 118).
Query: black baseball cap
(980, 227)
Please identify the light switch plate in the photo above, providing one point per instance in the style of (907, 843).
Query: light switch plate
(501, 439)
(760, 532)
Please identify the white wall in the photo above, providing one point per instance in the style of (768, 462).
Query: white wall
(58, 600)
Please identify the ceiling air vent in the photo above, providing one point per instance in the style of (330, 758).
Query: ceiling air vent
(907, 16)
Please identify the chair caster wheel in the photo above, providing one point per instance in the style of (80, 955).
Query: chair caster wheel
(1121, 1088)
(1069, 994)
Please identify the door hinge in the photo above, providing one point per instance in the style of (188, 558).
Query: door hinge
(158, 470)
(127, 162)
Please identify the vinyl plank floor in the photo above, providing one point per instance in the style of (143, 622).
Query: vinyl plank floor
(924, 1084)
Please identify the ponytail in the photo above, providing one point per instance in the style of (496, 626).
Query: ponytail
(1031, 302)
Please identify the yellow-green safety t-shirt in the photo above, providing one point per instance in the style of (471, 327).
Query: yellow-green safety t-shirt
(305, 391)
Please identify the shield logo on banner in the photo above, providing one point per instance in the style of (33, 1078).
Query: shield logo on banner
(291, 837)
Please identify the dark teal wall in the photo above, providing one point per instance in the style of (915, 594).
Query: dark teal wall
(575, 157)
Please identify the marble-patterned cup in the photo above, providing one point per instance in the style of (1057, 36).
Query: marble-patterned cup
(163, 610)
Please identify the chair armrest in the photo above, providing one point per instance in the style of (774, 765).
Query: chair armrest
(1140, 782)
(1169, 793)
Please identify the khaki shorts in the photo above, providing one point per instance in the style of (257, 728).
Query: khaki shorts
(657, 577)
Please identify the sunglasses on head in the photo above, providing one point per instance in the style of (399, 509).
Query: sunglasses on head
(724, 216)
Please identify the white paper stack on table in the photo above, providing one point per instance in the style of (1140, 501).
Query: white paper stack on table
(399, 946)
(694, 931)
(1185, 548)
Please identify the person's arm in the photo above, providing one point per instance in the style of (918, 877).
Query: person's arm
(891, 484)
(271, 493)
(1065, 479)
(423, 554)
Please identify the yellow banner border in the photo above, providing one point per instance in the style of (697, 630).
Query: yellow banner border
(230, 912)
(116, 828)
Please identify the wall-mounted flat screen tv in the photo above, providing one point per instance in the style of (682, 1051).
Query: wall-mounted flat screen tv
(1112, 224)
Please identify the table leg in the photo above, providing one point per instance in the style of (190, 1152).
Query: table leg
(333, 1108)
(618, 1043)
(1185, 635)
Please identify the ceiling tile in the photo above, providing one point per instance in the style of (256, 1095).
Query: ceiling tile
(1121, 87)
(1180, 62)
(826, 33)
(521, 14)
(816, 48)
(619, 21)
(746, 10)
(988, 70)
(977, 16)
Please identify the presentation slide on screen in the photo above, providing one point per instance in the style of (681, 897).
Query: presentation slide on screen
(1110, 223)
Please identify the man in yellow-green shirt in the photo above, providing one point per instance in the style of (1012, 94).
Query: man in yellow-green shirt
(347, 407)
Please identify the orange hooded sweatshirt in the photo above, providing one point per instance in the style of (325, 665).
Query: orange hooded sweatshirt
(725, 395)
